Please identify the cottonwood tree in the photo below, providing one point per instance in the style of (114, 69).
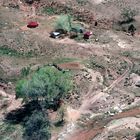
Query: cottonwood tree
(47, 84)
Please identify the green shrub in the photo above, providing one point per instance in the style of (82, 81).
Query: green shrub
(47, 83)
(5, 50)
(138, 136)
(95, 63)
(128, 14)
(81, 2)
(25, 71)
(10, 131)
(37, 127)
(64, 22)
(49, 10)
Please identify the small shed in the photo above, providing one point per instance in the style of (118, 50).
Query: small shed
(32, 24)
(87, 35)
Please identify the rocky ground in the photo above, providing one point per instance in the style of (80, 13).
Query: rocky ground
(106, 104)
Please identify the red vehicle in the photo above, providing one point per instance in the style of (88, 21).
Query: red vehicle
(87, 35)
(32, 24)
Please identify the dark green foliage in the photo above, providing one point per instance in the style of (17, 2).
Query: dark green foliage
(20, 89)
(128, 15)
(9, 131)
(31, 1)
(136, 69)
(37, 127)
(64, 22)
(49, 10)
(21, 115)
(60, 117)
(5, 50)
(25, 71)
(131, 29)
(47, 83)
(95, 63)
(138, 136)
(82, 2)
(126, 54)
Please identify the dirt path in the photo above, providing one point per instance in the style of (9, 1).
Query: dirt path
(89, 134)
(89, 99)
(93, 97)
(99, 128)
(118, 80)
(13, 103)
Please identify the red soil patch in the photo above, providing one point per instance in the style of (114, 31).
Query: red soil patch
(71, 65)
(98, 128)
(87, 135)
(129, 113)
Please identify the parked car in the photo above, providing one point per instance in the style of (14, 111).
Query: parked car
(32, 24)
(58, 33)
(87, 35)
(55, 34)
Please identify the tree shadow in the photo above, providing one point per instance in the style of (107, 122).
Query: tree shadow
(19, 116)
(126, 21)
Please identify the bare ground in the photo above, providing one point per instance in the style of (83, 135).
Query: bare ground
(69, 48)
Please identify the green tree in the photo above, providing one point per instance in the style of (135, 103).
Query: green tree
(37, 127)
(138, 136)
(47, 83)
(25, 71)
(128, 14)
(64, 22)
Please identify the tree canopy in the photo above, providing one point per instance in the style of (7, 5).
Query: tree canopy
(64, 22)
(37, 127)
(138, 136)
(47, 83)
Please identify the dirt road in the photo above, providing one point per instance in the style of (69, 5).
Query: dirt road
(89, 99)
(12, 103)
(98, 128)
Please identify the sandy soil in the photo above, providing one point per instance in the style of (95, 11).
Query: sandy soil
(119, 42)
(13, 103)
(97, 1)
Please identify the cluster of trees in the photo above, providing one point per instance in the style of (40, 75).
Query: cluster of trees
(47, 86)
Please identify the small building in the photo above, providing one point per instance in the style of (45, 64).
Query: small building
(87, 35)
(32, 24)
